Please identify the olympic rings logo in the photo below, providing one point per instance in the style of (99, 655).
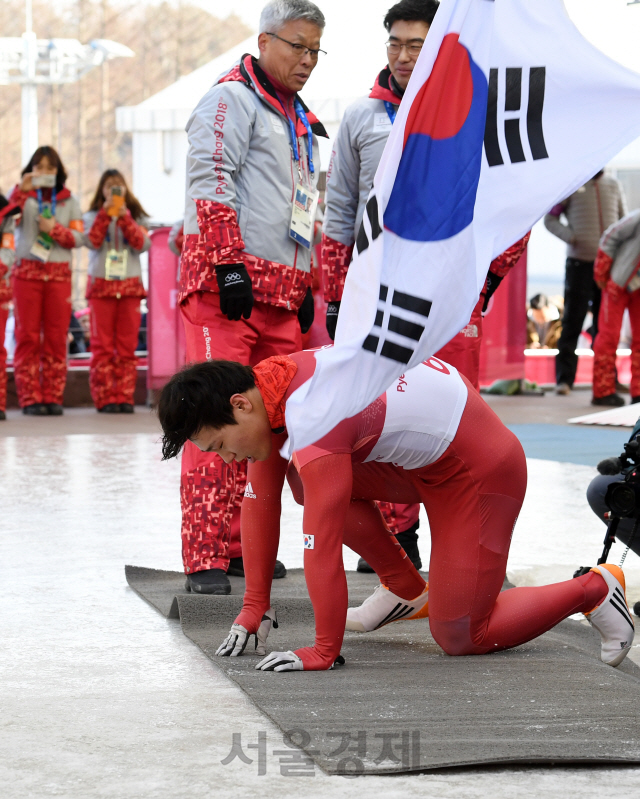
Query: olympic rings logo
(232, 276)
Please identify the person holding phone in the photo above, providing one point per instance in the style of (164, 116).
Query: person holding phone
(49, 227)
(116, 236)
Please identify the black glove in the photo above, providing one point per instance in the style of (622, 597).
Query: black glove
(236, 294)
(307, 312)
(493, 281)
(333, 309)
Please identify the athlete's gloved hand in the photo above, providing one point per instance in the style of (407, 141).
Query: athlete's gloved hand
(493, 281)
(236, 293)
(333, 309)
(234, 644)
(289, 661)
(307, 312)
(281, 661)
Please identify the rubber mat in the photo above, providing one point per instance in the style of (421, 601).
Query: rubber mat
(401, 705)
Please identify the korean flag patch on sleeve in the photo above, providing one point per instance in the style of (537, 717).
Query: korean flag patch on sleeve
(308, 541)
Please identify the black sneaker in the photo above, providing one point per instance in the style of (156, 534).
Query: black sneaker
(408, 540)
(111, 407)
(3, 416)
(126, 407)
(54, 409)
(610, 401)
(635, 400)
(37, 409)
(236, 569)
(209, 581)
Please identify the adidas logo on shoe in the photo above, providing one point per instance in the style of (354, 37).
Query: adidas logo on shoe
(383, 607)
(612, 618)
(248, 492)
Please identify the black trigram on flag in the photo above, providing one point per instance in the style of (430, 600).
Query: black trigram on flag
(513, 104)
(405, 326)
(407, 329)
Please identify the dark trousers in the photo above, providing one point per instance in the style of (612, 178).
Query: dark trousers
(580, 295)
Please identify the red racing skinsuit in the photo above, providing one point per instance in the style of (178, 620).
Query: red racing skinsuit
(241, 178)
(432, 439)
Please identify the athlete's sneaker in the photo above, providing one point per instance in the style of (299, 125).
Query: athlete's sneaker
(383, 607)
(612, 618)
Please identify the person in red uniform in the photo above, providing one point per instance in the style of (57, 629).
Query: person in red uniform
(7, 257)
(116, 236)
(48, 229)
(245, 279)
(465, 466)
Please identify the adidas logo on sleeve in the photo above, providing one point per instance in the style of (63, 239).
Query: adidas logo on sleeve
(248, 492)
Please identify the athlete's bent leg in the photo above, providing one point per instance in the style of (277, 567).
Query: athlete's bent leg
(473, 495)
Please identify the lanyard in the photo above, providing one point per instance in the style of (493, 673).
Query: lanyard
(53, 202)
(115, 235)
(292, 132)
(392, 112)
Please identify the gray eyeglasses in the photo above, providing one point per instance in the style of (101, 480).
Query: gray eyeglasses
(299, 49)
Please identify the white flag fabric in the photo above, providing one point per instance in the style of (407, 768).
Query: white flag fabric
(509, 110)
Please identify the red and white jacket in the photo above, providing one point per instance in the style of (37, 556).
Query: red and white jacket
(241, 178)
(66, 235)
(104, 233)
(7, 255)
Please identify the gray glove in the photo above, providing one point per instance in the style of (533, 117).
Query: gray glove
(234, 644)
(281, 661)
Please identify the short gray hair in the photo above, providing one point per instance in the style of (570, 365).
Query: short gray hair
(278, 12)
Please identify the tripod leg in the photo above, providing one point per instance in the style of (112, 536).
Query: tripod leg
(609, 538)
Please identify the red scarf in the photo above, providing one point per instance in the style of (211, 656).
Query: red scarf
(273, 377)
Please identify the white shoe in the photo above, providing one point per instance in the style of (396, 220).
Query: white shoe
(383, 607)
(563, 389)
(612, 618)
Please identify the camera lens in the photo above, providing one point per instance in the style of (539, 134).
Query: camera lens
(621, 499)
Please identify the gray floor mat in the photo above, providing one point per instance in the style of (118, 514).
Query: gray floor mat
(401, 705)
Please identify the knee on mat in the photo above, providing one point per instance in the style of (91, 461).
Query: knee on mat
(453, 636)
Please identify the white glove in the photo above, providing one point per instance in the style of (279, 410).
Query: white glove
(281, 661)
(234, 644)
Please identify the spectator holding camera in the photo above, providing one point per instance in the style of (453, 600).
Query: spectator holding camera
(48, 229)
(116, 236)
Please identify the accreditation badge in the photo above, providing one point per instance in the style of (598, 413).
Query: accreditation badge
(303, 214)
(116, 265)
(41, 248)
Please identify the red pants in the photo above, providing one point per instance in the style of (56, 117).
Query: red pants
(614, 301)
(4, 315)
(211, 491)
(42, 310)
(472, 495)
(114, 337)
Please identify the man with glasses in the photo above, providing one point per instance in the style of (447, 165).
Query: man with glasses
(252, 169)
(356, 154)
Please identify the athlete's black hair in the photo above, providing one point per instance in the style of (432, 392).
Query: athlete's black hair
(199, 396)
(411, 11)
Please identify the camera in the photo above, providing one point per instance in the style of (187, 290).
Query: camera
(44, 181)
(623, 496)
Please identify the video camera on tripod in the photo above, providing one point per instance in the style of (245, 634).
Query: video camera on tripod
(622, 498)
